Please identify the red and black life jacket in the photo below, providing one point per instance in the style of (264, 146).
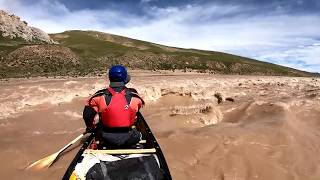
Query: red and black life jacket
(118, 112)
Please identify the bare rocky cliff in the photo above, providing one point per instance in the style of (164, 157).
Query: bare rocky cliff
(12, 27)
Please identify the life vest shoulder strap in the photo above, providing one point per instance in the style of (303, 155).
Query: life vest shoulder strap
(133, 93)
(99, 93)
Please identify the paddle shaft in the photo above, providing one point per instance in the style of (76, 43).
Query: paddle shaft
(72, 142)
(49, 160)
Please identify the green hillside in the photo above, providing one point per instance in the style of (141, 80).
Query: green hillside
(90, 52)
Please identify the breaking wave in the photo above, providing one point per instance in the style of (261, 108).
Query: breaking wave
(209, 127)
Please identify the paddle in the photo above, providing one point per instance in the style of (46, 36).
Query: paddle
(49, 160)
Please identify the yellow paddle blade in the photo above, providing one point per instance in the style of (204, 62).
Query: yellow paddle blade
(43, 163)
(47, 161)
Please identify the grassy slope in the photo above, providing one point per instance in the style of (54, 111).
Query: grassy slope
(25, 60)
(91, 45)
(98, 51)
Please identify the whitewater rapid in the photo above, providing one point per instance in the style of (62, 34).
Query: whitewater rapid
(209, 126)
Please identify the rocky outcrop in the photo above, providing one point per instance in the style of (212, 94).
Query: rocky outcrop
(12, 27)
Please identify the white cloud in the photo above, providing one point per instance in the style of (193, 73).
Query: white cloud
(287, 40)
(302, 57)
(146, 1)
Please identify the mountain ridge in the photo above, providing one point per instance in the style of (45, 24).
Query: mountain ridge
(80, 53)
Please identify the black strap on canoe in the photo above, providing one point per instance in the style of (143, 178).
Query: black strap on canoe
(104, 171)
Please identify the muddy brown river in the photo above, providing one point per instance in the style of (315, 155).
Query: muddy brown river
(213, 127)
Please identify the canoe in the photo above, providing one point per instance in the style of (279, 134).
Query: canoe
(146, 161)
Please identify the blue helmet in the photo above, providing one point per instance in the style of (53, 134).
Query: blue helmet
(118, 73)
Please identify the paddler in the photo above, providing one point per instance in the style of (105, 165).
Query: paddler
(116, 107)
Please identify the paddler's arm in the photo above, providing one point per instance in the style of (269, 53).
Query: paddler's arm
(89, 112)
(136, 102)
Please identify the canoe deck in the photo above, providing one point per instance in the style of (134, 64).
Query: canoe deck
(87, 158)
(120, 151)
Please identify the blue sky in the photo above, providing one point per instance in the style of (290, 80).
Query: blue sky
(285, 32)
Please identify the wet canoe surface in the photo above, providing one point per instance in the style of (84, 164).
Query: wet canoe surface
(146, 162)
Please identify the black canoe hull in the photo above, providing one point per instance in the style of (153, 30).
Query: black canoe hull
(151, 142)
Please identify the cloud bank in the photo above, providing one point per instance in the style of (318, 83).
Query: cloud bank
(282, 33)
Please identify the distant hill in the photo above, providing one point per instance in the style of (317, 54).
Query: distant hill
(78, 53)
